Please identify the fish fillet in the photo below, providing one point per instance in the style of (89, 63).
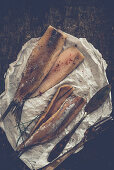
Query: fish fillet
(67, 61)
(40, 62)
(38, 65)
(56, 123)
(60, 96)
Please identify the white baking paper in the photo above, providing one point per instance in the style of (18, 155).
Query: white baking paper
(87, 79)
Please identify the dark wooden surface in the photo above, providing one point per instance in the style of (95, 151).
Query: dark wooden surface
(93, 19)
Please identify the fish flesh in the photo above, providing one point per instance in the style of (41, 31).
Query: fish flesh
(40, 62)
(60, 96)
(55, 124)
(67, 61)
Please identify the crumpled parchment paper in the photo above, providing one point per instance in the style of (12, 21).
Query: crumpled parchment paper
(87, 79)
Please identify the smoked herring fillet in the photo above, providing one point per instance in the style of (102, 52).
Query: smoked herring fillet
(38, 65)
(55, 124)
(67, 61)
(60, 96)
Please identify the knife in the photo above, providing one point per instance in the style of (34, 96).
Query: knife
(95, 102)
(91, 133)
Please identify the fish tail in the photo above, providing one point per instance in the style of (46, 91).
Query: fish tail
(10, 108)
(17, 111)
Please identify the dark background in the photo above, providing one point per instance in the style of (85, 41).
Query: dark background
(94, 19)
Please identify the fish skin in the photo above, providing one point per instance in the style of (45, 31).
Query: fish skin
(54, 125)
(40, 62)
(60, 96)
(67, 61)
